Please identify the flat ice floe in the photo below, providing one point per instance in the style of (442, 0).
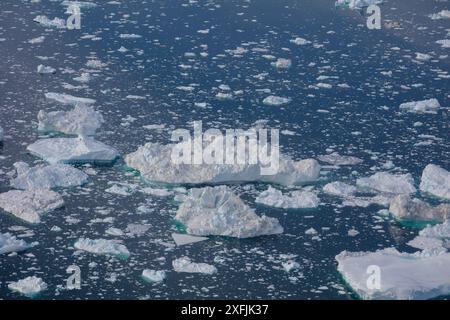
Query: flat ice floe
(404, 208)
(29, 287)
(339, 189)
(424, 106)
(218, 211)
(185, 239)
(338, 160)
(29, 205)
(73, 150)
(282, 63)
(9, 243)
(435, 237)
(103, 246)
(154, 162)
(389, 183)
(81, 120)
(184, 264)
(436, 181)
(153, 275)
(47, 176)
(403, 276)
(276, 101)
(293, 200)
(68, 99)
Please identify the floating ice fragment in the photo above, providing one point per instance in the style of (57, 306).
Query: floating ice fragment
(282, 63)
(276, 101)
(389, 183)
(300, 41)
(436, 181)
(153, 275)
(184, 239)
(9, 243)
(46, 22)
(68, 99)
(424, 106)
(356, 4)
(405, 208)
(103, 246)
(294, 200)
(29, 287)
(184, 264)
(338, 160)
(339, 189)
(45, 69)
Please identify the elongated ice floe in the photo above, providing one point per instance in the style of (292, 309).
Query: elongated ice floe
(73, 150)
(80, 4)
(81, 120)
(338, 160)
(184, 264)
(185, 239)
(404, 208)
(389, 183)
(29, 287)
(103, 246)
(153, 275)
(356, 4)
(154, 162)
(46, 22)
(293, 200)
(424, 106)
(68, 99)
(9, 243)
(218, 211)
(276, 101)
(30, 205)
(436, 181)
(403, 276)
(47, 176)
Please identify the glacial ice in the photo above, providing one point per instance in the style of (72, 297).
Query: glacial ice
(339, 189)
(436, 181)
(29, 287)
(29, 205)
(103, 246)
(9, 243)
(218, 211)
(184, 264)
(68, 99)
(45, 69)
(404, 276)
(389, 183)
(424, 106)
(153, 275)
(338, 160)
(73, 150)
(47, 177)
(276, 101)
(405, 208)
(293, 200)
(356, 4)
(184, 239)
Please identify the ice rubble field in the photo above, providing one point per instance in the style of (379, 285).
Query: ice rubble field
(85, 171)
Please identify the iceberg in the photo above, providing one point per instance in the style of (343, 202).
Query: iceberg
(45, 69)
(294, 200)
(218, 211)
(403, 276)
(73, 150)
(338, 160)
(47, 177)
(276, 101)
(436, 181)
(435, 237)
(29, 205)
(339, 189)
(356, 4)
(184, 264)
(404, 208)
(9, 243)
(68, 99)
(153, 275)
(29, 287)
(424, 106)
(389, 183)
(103, 246)
(184, 239)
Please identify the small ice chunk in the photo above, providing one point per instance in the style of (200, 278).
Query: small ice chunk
(157, 192)
(338, 160)
(68, 99)
(436, 181)
(424, 106)
(153, 275)
(184, 264)
(405, 208)
(294, 200)
(184, 239)
(103, 246)
(282, 63)
(9, 243)
(389, 183)
(339, 189)
(45, 69)
(290, 265)
(300, 41)
(276, 101)
(29, 287)
(46, 22)
(29, 205)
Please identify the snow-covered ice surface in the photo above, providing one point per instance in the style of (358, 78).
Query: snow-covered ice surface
(436, 181)
(405, 208)
(424, 106)
(294, 200)
(102, 246)
(29, 286)
(389, 183)
(217, 61)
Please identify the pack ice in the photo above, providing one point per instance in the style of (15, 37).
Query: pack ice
(154, 162)
(47, 176)
(405, 208)
(424, 106)
(388, 183)
(29, 287)
(184, 264)
(29, 205)
(81, 120)
(218, 211)
(404, 276)
(73, 150)
(294, 200)
(436, 181)
(103, 246)
(9, 243)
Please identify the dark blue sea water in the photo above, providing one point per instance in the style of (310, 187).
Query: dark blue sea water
(362, 120)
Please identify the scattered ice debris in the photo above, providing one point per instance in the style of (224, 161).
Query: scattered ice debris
(46, 22)
(405, 208)
(68, 99)
(129, 36)
(311, 232)
(294, 200)
(338, 160)
(445, 43)
(9, 243)
(443, 14)
(424, 106)
(339, 189)
(95, 64)
(218, 211)
(29, 205)
(45, 69)
(73, 150)
(389, 183)
(47, 177)
(122, 189)
(276, 101)
(436, 181)
(114, 232)
(37, 40)
(356, 4)
(153, 275)
(300, 41)
(184, 264)
(103, 246)
(29, 287)
(404, 276)
(282, 63)
(184, 239)
(290, 265)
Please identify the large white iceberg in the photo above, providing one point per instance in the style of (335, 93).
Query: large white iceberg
(424, 106)
(9, 243)
(82, 120)
(403, 276)
(405, 208)
(294, 200)
(103, 246)
(389, 183)
(47, 177)
(218, 211)
(68, 99)
(29, 287)
(436, 181)
(73, 150)
(29, 205)
(184, 264)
